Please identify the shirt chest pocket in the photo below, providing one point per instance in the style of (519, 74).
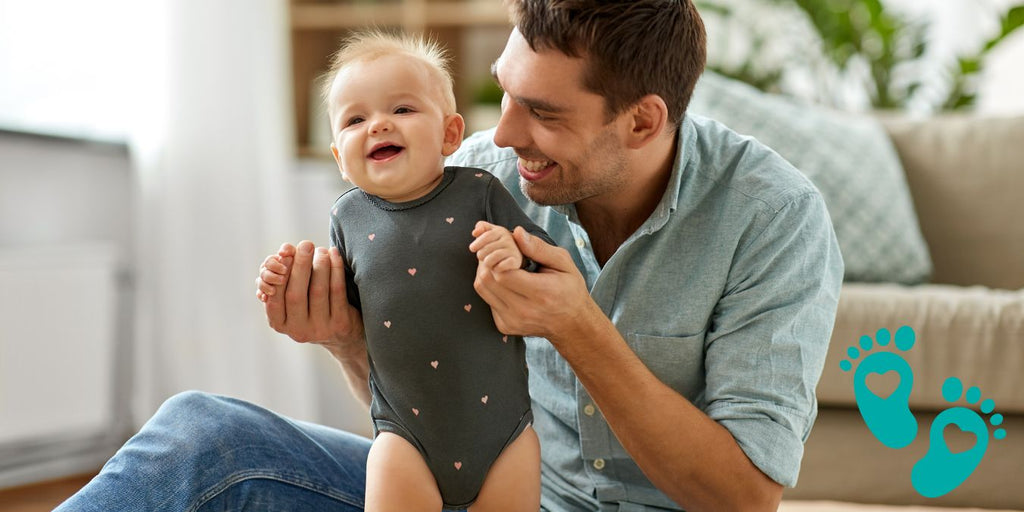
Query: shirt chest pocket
(675, 361)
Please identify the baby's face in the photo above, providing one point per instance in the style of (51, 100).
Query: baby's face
(391, 133)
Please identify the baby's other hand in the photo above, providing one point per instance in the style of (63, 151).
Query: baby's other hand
(495, 248)
(274, 272)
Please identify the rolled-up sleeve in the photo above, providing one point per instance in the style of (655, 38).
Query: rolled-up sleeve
(766, 345)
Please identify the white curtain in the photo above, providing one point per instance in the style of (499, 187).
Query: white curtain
(213, 152)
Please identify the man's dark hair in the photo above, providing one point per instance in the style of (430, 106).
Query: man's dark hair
(634, 47)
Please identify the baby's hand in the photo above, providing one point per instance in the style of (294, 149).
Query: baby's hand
(274, 272)
(495, 248)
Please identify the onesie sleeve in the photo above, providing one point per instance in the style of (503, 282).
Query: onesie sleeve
(338, 240)
(502, 210)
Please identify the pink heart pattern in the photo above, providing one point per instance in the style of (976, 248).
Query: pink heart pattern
(434, 364)
(458, 465)
(416, 411)
(411, 271)
(387, 323)
(449, 220)
(484, 399)
(371, 236)
(467, 307)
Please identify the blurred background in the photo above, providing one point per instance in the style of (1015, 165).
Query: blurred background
(153, 153)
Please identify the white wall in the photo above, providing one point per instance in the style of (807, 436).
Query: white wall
(65, 253)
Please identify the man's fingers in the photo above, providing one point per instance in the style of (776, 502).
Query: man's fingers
(538, 250)
(319, 286)
(339, 297)
(486, 288)
(297, 292)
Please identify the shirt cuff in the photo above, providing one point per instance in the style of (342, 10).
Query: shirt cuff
(774, 448)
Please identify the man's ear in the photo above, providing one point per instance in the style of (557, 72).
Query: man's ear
(454, 127)
(647, 121)
(337, 158)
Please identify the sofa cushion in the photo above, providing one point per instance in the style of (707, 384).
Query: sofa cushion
(966, 176)
(849, 158)
(973, 333)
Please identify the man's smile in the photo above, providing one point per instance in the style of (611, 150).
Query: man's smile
(534, 170)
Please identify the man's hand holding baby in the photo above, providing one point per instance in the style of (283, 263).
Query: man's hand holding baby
(303, 291)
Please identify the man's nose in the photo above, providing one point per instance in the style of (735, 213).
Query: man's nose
(511, 130)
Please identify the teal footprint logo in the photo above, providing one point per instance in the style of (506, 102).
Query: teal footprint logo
(891, 422)
(889, 418)
(941, 470)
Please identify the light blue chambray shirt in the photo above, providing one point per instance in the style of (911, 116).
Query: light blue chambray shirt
(728, 293)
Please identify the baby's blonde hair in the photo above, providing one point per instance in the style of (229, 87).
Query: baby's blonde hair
(371, 44)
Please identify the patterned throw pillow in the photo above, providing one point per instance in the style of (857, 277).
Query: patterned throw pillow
(849, 158)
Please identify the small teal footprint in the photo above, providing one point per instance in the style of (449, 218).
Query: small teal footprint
(889, 419)
(941, 470)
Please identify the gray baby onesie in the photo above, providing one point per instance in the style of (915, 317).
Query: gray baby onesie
(441, 374)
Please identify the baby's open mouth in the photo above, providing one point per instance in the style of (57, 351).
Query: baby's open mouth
(385, 151)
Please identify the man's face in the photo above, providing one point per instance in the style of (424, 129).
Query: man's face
(568, 153)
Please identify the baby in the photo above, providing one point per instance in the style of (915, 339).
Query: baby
(450, 403)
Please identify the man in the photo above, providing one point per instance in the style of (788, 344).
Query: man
(678, 331)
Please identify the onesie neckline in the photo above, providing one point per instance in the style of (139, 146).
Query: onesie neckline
(384, 204)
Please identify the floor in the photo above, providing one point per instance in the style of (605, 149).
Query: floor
(832, 506)
(45, 496)
(41, 497)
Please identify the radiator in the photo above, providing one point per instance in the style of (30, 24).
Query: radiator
(61, 343)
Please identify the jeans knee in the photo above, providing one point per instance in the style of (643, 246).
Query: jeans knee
(205, 419)
(187, 401)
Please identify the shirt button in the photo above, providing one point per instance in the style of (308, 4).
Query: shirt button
(599, 464)
(589, 409)
(580, 243)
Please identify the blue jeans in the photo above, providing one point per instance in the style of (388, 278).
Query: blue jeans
(202, 452)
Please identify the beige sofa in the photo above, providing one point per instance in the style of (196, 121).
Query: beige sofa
(966, 178)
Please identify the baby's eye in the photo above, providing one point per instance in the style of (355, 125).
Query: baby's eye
(404, 110)
(354, 120)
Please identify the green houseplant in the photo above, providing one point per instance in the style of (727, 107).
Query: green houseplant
(886, 45)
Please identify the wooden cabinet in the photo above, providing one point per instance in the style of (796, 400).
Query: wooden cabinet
(318, 26)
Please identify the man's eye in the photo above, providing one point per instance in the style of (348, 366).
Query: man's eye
(538, 116)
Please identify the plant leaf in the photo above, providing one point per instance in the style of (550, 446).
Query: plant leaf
(1011, 21)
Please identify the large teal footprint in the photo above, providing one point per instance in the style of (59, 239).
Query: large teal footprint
(889, 419)
(941, 470)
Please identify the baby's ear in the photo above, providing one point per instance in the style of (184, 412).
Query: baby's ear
(454, 127)
(337, 158)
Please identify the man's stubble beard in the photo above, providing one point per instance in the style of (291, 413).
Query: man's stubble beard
(611, 177)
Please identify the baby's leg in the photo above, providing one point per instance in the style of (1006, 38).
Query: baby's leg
(397, 478)
(513, 483)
